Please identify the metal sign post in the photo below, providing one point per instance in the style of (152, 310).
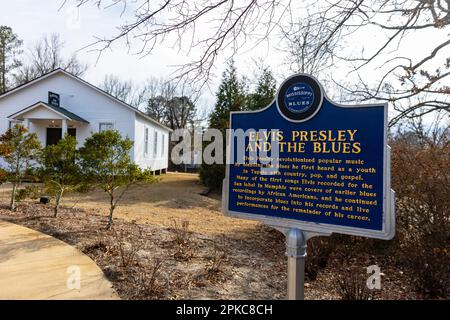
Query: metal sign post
(296, 253)
(296, 244)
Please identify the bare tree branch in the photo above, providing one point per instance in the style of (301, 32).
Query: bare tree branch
(231, 24)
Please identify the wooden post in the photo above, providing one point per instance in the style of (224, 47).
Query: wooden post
(63, 127)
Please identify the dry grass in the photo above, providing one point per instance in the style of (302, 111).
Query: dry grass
(221, 257)
(176, 197)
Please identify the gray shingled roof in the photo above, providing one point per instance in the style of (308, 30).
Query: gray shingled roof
(65, 112)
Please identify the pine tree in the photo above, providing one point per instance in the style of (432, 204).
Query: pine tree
(265, 91)
(9, 49)
(231, 96)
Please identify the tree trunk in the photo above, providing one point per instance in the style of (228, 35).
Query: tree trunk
(110, 218)
(3, 68)
(111, 211)
(12, 204)
(58, 201)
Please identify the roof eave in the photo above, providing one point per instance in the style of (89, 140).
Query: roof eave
(41, 103)
(51, 73)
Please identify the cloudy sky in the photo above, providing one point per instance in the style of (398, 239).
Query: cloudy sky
(78, 27)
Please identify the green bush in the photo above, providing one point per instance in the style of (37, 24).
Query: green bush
(106, 164)
(60, 170)
(32, 192)
(212, 175)
(18, 148)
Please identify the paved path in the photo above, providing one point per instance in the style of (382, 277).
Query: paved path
(36, 266)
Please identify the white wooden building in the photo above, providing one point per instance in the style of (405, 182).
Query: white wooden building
(60, 102)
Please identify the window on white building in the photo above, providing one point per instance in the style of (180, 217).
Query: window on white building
(155, 151)
(12, 123)
(146, 141)
(162, 144)
(104, 126)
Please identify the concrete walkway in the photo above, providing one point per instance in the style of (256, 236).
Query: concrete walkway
(36, 266)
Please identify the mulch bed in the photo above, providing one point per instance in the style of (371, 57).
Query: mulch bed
(150, 262)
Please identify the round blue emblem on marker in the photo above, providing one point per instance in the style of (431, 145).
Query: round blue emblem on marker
(299, 97)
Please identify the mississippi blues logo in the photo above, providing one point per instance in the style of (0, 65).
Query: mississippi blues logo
(299, 97)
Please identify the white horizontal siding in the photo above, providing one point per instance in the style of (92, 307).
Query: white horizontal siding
(152, 160)
(92, 105)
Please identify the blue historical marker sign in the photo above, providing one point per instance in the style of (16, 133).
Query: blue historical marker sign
(306, 162)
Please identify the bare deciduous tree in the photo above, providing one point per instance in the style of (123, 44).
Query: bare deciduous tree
(307, 48)
(161, 99)
(160, 92)
(231, 24)
(413, 85)
(122, 90)
(172, 105)
(45, 56)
